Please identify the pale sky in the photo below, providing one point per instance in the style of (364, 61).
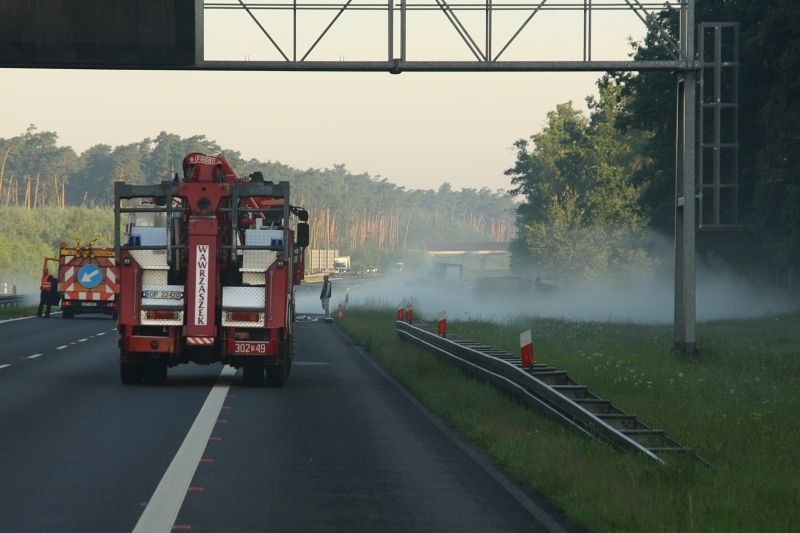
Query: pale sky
(416, 130)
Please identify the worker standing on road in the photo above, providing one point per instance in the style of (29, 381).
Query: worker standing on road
(325, 296)
(48, 293)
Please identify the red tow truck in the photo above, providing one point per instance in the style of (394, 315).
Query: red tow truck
(207, 269)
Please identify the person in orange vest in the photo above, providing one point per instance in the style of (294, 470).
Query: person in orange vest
(48, 293)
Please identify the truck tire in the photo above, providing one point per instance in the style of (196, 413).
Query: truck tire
(278, 374)
(290, 356)
(131, 373)
(155, 372)
(68, 313)
(253, 375)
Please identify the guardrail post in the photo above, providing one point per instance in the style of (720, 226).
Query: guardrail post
(441, 320)
(527, 353)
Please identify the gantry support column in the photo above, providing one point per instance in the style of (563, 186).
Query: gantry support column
(685, 186)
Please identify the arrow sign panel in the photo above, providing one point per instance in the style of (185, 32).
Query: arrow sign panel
(90, 276)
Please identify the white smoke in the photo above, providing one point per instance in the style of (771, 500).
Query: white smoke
(721, 294)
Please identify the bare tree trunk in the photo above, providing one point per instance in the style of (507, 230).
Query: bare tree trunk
(15, 192)
(3, 167)
(28, 192)
(9, 188)
(36, 192)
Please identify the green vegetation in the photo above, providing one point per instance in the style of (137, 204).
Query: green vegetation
(370, 219)
(737, 407)
(595, 187)
(15, 312)
(30, 235)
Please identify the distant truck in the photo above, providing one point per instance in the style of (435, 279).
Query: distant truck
(87, 279)
(320, 260)
(341, 264)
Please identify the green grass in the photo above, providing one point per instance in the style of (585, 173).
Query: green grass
(737, 405)
(15, 312)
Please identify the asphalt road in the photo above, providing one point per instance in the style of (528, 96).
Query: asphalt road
(340, 448)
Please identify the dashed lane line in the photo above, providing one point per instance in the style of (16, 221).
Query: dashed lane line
(166, 502)
(37, 355)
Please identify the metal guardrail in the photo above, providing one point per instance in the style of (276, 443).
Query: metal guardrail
(11, 300)
(551, 391)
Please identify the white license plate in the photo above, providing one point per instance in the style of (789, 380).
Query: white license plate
(259, 348)
(88, 304)
(162, 295)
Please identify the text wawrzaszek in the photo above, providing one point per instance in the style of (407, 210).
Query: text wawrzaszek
(201, 286)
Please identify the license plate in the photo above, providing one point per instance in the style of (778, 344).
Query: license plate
(88, 304)
(258, 348)
(162, 295)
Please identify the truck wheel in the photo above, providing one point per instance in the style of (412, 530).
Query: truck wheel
(278, 374)
(290, 356)
(155, 372)
(253, 375)
(68, 313)
(131, 373)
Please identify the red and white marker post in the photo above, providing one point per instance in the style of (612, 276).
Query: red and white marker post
(409, 314)
(441, 320)
(526, 351)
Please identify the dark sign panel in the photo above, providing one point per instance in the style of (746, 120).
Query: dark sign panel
(98, 33)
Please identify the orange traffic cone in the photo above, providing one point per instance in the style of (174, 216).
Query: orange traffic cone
(340, 314)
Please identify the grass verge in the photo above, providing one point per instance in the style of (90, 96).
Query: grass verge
(736, 405)
(18, 311)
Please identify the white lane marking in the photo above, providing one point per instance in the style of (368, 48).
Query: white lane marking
(165, 504)
(82, 340)
(310, 363)
(101, 333)
(34, 356)
(62, 347)
(4, 366)
(15, 319)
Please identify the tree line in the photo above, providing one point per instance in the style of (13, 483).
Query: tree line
(371, 219)
(597, 187)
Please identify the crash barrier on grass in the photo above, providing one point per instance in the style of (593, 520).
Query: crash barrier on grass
(10, 300)
(551, 391)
